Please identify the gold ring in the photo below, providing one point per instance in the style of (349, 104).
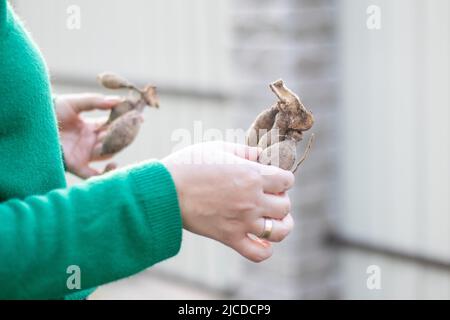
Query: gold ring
(268, 226)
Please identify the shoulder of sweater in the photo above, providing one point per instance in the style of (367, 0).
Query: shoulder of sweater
(2, 13)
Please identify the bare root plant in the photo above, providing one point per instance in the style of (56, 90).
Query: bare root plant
(279, 129)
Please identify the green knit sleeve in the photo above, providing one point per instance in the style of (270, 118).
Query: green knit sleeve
(2, 14)
(109, 228)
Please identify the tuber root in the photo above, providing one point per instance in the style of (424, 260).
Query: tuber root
(121, 133)
(263, 123)
(279, 129)
(282, 154)
(113, 81)
(125, 119)
(305, 154)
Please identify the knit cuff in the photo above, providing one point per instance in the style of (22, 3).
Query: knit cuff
(157, 196)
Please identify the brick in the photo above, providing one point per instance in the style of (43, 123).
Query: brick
(293, 40)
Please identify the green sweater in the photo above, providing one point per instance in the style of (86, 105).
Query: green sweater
(110, 227)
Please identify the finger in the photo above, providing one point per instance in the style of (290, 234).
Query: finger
(277, 181)
(262, 242)
(101, 135)
(254, 249)
(109, 167)
(275, 206)
(97, 151)
(96, 122)
(242, 150)
(86, 172)
(100, 127)
(280, 228)
(91, 101)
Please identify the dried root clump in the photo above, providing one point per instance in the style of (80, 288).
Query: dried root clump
(125, 119)
(279, 129)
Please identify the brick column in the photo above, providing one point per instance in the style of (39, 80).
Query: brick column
(293, 40)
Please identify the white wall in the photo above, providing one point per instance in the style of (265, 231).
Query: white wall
(175, 41)
(395, 131)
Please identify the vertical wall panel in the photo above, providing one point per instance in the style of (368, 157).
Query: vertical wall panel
(174, 41)
(395, 125)
(436, 108)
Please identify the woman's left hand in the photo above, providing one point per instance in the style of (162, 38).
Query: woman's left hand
(80, 136)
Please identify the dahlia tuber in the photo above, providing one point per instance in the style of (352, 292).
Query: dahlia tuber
(278, 129)
(125, 119)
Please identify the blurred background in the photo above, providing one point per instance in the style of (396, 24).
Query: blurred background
(371, 203)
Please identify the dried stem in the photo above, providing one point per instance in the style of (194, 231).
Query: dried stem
(134, 88)
(305, 154)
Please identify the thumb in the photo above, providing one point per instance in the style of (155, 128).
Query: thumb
(90, 101)
(242, 150)
(110, 167)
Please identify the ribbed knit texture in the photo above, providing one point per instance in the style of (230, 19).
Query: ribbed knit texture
(110, 227)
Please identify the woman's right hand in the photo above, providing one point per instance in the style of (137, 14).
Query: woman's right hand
(224, 194)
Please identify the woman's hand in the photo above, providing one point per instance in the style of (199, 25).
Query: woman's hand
(79, 136)
(225, 195)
